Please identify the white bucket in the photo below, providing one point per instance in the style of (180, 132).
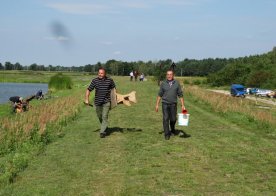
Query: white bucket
(183, 119)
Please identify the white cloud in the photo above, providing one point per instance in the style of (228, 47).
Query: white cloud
(109, 7)
(184, 2)
(135, 4)
(81, 8)
(59, 38)
(179, 2)
(152, 3)
(117, 52)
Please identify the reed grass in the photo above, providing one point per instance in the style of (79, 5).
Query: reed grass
(60, 82)
(24, 135)
(225, 103)
(22, 124)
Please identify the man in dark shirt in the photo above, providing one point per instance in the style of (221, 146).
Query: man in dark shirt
(16, 99)
(16, 102)
(169, 91)
(39, 95)
(102, 85)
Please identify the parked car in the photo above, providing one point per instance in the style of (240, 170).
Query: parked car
(263, 92)
(251, 91)
(237, 90)
(272, 94)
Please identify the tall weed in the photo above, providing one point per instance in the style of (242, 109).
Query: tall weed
(60, 81)
(25, 135)
(225, 103)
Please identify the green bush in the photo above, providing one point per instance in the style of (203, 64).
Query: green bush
(204, 81)
(197, 82)
(253, 71)
(60, 82)
(186, 82)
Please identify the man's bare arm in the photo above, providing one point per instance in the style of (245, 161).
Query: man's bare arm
(87, 94)
(157, 103)
(182, 103)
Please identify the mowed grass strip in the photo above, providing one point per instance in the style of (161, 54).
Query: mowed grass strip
(220, 157)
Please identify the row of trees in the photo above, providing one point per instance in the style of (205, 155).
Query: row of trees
(187, 67)
(257, 71)
(252, 71)
(33, 67)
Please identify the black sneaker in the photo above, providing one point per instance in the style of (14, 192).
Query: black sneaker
(102, 135)
(175, 132)
(167, 137)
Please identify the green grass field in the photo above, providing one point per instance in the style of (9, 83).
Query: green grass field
(224, 155)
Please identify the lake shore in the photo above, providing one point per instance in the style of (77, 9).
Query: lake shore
(24, 90)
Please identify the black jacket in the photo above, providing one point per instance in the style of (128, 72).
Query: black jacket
(15, 99)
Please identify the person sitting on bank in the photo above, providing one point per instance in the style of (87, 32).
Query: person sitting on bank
(39, 95)
(16, 102)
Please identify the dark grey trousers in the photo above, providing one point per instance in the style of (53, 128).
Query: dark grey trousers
(169, 117)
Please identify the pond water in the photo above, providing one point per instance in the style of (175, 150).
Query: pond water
(24, 90)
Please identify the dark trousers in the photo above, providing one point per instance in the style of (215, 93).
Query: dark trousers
(169, 117)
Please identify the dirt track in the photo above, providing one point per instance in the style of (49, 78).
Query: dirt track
(258, 99)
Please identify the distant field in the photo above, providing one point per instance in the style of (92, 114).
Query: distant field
(39, 76)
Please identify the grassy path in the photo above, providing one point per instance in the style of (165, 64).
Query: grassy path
(220, 157)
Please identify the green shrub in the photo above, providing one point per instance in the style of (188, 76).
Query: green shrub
(197, 82)
(60, 82)
(204, 81)
(186, 82)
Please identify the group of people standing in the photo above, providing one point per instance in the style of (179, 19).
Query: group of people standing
(135, 74)
(169, 91)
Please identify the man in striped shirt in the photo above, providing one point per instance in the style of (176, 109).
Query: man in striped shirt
(102, 85)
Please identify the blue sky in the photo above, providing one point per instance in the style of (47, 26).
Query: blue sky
(79, 32)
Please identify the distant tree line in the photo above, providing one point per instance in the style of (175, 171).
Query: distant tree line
(255, 71)
(252, 71)
(32, 67)
(187, 67)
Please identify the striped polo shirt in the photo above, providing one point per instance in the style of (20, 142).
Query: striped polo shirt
(102, 88)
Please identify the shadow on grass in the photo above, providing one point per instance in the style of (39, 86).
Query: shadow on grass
(111, 130)
(180, 133)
